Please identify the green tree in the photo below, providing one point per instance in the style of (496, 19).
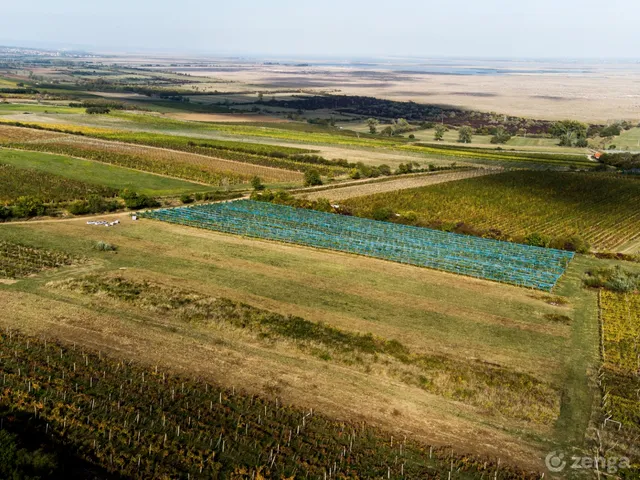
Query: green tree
(387, 131)
(372, 123)
(439, 133)
(465, 134)
(569, 132)
(256, 183)
(501, 136)
(312, 178)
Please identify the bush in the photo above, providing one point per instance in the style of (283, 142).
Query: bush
(5, 213)
(256, 183)
(574, 243)
(615, 279)
(186, 198)
(79, 207)
(381, 213)
(97, 204)
(135, 201)
(28, 207)
(105, 247)
(537, 240)
(312, 178)
(97, 110)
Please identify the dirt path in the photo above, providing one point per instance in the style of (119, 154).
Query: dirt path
(358, 190)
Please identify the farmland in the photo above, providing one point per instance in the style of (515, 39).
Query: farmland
(21, 182)
(18, 260)
(620, 316)
(601, 209)
(161, 425)
(198, 167)
(429, 312)
(519, 265)
(435, 332)
(58, 178)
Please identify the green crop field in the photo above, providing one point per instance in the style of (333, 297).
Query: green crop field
(10, 108)
(600, 208)
(94, 173)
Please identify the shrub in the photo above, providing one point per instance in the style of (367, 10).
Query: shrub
(256, 183)
(97, 110)
(135, 201)
(574, 243)
(28, 207)
(105, 247)
(5, 213)
(537, 240)
(615, 279)
(312, 178)
(186, 198)
(381, 213)
(79, 207)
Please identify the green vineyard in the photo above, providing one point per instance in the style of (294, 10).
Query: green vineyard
(142, 422)
(602, 209)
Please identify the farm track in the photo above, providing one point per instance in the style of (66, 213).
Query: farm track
(358, 190)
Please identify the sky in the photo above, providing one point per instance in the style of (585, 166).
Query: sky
(331, 28)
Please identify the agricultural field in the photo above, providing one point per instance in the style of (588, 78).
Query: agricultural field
(18, 260)
(599, 208)
(369, 187)
(628, 140)
(24, 182)
(429, 330)
(416, 371)
(54, 178)
(532, 267)
(165, 425)
(620, 317)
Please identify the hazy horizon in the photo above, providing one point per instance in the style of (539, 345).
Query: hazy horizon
(496, 29)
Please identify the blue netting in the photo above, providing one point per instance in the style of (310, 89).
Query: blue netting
(506, 262)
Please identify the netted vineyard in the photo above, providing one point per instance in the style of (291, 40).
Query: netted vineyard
(621, 351)
(138, 422)
(603, 209)
(515, 264)
(19, 260)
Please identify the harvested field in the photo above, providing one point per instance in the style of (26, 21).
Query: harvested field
(343, 193)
